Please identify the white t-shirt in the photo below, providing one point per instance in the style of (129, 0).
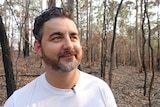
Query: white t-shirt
(89, 91)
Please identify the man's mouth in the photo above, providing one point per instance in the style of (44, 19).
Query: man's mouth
(67, 54)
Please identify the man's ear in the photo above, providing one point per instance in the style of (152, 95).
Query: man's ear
(37, 48)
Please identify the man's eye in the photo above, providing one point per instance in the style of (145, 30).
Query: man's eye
(56, 38)
(74, 36)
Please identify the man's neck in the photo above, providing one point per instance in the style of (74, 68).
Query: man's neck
(64, 80)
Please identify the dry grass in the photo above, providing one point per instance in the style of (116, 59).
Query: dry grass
(127, 83)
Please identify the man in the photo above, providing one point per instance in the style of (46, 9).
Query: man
(62, 85)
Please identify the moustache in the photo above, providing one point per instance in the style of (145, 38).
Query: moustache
(67, 53)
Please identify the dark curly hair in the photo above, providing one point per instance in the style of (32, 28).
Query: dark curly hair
(45, 16)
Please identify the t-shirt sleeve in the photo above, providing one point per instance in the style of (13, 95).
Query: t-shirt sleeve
(9, 102)
(107, 95)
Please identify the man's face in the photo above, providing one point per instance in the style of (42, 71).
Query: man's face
(60, 46)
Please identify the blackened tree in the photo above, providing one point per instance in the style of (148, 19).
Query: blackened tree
(10, 82)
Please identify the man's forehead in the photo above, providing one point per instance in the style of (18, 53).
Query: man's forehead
(60, 25)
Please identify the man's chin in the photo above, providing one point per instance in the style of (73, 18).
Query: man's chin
(68, 66)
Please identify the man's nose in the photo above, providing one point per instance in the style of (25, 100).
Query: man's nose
(68, 44)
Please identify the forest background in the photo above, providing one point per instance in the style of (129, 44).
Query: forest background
(120, 41)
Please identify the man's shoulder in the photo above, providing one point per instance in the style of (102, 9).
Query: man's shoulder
(19, 96)
(92, 78)
(25, 90)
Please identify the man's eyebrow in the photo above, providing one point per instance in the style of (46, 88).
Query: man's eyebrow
(55, 33)
(74, 33)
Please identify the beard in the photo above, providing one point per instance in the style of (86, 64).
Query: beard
(57, 64)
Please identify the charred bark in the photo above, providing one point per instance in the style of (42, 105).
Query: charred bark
(10, 82)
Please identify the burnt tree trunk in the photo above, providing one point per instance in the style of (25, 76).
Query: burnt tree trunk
(113, 41)
(151, 56)
(10, 82)
(26, 37)
(103, 46)
(143, 53)
(158, 51)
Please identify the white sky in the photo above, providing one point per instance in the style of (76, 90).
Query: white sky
(1, 1)
(44, 3)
